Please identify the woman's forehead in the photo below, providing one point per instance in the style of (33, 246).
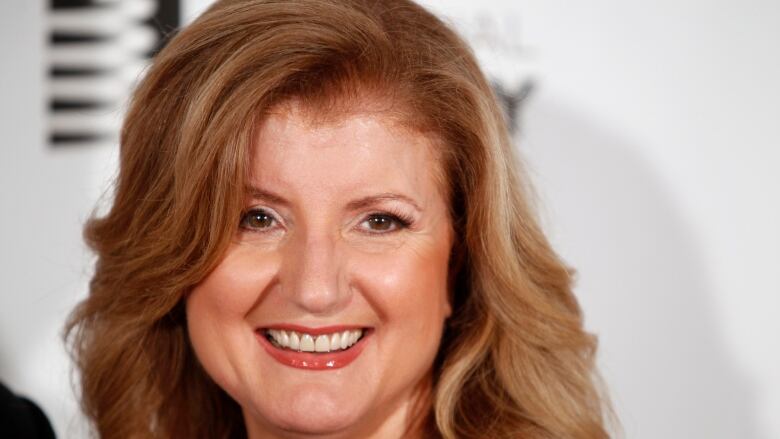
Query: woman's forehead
(334, 109)
(357, 150)
(361, 140)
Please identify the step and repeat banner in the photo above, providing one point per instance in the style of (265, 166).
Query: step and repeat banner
(98, 49)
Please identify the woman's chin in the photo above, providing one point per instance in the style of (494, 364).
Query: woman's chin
(311, 413)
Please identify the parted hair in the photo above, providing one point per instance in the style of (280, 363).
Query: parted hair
(515, 360)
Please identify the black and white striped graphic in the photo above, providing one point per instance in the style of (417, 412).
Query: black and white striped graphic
(98, 50)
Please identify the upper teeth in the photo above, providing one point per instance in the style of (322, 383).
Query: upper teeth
(303, 342)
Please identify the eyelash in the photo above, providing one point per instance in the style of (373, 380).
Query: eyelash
(402, 220)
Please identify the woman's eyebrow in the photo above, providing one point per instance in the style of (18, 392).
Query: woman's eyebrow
(262, 194)
(258, 193)
(387, 196)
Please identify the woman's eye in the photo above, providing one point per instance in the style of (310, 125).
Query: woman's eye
(257, 219)
(385, 223)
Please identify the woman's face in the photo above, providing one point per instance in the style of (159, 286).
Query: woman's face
(346, 236)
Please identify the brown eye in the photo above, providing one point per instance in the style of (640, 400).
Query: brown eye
(384, 223)
(257, 219)
(380, 223)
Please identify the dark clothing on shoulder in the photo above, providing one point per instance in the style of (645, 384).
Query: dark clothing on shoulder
(20, 418)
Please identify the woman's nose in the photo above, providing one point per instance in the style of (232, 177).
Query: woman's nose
(313, 274)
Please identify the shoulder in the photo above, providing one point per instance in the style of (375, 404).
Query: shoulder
(21, 418)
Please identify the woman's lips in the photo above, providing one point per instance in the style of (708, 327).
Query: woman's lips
(323, 348)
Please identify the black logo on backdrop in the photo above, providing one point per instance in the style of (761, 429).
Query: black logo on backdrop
(99, 48)
(97, 51)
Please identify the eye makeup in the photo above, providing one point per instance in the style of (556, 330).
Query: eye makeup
(261, 220)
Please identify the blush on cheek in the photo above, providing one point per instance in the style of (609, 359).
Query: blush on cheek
(239, 280)
(217, 313)
(202, 332)
(409, 288)
(214, 327)
(215, 344)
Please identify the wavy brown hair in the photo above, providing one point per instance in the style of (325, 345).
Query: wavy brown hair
(515, 360)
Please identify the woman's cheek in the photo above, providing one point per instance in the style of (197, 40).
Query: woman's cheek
(408, 278)
(235, 285)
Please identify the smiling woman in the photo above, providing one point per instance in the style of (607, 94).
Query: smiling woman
(328, 265)
(320, 230)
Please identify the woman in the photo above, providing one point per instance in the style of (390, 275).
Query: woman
(320, 229)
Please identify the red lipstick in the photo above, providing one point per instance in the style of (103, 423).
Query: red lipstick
(313, 360)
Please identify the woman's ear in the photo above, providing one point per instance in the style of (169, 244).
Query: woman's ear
(457, 278)
(448, 307)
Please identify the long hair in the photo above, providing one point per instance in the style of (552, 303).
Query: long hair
(515, 360)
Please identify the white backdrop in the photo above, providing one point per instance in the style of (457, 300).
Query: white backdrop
(652, 136)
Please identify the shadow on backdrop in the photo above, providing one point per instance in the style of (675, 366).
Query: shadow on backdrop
(641, 280)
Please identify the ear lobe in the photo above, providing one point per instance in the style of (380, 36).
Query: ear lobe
(448, 307)
(454, 268)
